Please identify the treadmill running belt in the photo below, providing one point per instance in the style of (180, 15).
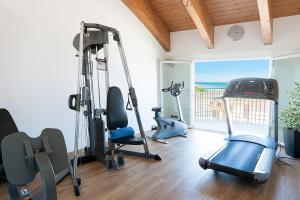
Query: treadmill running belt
(239, 155)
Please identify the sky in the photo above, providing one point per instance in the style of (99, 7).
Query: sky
(224, 71)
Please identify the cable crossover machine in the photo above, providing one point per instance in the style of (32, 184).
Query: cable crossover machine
(87, 104)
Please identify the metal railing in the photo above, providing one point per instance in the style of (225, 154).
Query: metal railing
(207, 106)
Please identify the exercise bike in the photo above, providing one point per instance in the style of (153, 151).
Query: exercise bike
(169, 126)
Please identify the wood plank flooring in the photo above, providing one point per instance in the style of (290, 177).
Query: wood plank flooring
(177, 176)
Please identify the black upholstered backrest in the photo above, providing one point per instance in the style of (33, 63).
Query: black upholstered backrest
(116, 112)
(7, 126)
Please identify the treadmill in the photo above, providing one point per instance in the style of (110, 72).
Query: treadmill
(247, 156)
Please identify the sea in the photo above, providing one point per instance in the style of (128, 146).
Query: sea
(212, 84)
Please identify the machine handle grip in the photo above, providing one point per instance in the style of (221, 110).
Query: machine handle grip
(74, 105)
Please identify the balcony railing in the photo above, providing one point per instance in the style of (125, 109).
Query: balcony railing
(207, 106)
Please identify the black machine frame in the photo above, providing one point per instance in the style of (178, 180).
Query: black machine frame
(92, 38)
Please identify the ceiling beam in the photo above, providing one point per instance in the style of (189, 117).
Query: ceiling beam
(266, 20)
(144, 13)
(198, 11)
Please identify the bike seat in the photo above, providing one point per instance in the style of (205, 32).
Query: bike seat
(157, 109)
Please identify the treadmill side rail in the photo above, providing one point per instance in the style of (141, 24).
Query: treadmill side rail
(264, 165)
(204, 161)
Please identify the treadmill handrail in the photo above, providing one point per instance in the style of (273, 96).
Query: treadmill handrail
(228, 119)
(227, 108)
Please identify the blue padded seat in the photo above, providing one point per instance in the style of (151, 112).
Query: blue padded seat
(121, 133)
(125, 136)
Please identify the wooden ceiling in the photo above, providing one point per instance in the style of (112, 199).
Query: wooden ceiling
(179, 15)
(173, 14)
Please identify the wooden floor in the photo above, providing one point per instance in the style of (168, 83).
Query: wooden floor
(177, 176)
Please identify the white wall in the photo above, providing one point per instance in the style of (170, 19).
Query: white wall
(38, 68)
(188, 45)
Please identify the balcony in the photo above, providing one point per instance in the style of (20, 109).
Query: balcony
(248, 115)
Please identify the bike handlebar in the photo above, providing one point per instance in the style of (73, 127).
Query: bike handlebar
(168, 88)
(174, 88)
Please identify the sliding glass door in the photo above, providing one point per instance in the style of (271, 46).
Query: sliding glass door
(286, 70)
(177, 72)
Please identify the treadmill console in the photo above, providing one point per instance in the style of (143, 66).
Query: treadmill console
(252, 88)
